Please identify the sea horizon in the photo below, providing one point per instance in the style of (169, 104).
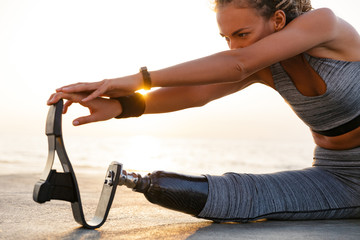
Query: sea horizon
(22, 154)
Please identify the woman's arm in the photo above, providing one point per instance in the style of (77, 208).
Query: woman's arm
(316, 29)
(159, 101)
(169, 99)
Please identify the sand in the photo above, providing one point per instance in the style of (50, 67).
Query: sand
(133, 217)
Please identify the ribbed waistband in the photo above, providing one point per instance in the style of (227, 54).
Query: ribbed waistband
(322, 154)
(344, 163)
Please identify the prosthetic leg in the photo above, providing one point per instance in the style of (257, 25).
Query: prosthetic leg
(187, 194)
(63, 185)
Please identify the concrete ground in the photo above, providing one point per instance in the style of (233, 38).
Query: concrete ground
(133, 217)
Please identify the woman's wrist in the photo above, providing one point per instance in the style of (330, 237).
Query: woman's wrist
(146, 78)
(117, 109)
(132, 105)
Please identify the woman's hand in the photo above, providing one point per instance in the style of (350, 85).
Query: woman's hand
(115, 87)
(101, 109)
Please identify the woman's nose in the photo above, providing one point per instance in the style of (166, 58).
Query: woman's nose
(234, 45)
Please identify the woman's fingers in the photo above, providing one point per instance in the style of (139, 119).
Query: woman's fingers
(68, 96)
(109, 87)
(50, 100)
(79, 87)
(54, 98)
(72, 98)
(61, 89)
(101, 109)
(66, 106)
(98, 92)
(93, 90)
(84, 120)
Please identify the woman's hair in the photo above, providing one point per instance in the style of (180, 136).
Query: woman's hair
(266, 8)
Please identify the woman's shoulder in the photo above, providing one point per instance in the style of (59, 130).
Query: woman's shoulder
(341, 41)
(319, 33)
(325, 12)
(322, 18)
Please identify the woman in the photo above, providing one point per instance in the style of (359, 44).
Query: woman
(311, 57)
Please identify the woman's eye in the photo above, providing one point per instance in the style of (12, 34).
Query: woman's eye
(243, 35)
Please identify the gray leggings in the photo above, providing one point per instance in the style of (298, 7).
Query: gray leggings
(328, 190)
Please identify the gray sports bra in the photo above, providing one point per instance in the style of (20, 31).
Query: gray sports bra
(333, 113)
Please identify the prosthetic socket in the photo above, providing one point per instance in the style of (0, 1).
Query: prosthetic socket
(182, 193)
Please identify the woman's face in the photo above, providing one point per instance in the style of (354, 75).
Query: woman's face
(242, 27)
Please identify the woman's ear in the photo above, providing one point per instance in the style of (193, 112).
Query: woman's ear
(279, 20)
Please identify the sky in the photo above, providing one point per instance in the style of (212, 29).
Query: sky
(45, 44)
